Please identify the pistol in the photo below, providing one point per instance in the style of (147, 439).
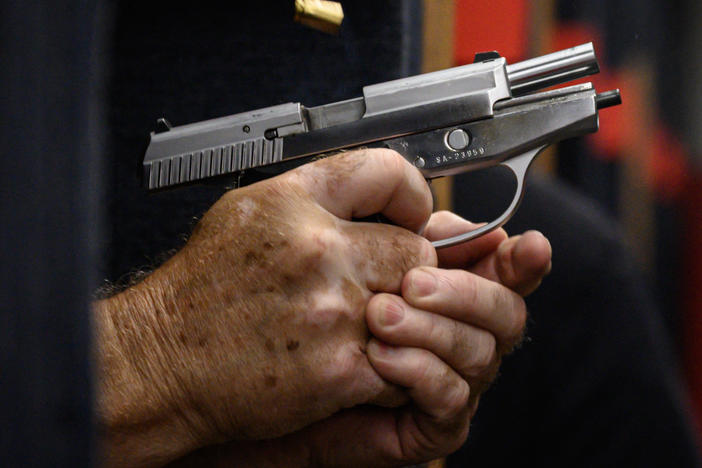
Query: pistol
(456, 120)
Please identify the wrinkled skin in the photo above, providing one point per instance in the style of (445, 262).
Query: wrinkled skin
(443, 345)
(259, 327)
(444, 349)
(256, 327)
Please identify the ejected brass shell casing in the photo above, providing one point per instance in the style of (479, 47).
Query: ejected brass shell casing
(319, 14)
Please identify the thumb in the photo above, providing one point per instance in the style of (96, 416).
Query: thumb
(520, 262)
(357, 184)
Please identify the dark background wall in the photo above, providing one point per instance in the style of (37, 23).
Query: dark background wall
(49, 181)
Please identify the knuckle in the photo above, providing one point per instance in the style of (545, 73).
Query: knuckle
(328, 309)
(435, 331)
(423, 368)
(487, 351)
(469, 292)
(512, 310)
(482, 354)
(461, 395)
(458, 438)
(317, 241)
(344, 366)
(445, 216)
(455, 400)
(455, 337)
(392, 160)
(427, 253)
(412, 250)
(519, 316)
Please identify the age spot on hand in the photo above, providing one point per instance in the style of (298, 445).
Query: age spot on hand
(270, 380)
(250, 258)
(292, 345)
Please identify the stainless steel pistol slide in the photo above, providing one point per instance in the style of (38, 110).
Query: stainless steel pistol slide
(446, 122)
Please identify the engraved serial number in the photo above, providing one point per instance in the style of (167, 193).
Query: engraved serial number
(448, 158)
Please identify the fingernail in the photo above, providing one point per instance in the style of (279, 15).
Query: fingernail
(422, 283)
(391, 313)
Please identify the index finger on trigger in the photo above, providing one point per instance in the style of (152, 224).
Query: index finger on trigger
(364, 182)
(520, 262)
(469, 298)
(444, 224)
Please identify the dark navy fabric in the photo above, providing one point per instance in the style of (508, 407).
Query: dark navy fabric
(49, 224)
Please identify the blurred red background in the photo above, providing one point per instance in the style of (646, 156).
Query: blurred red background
(642, 145)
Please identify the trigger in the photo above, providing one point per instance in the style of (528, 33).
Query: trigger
(519, 165)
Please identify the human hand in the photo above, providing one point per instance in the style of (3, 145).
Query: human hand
(444, 336)
(518, 262)
(463, 312)
(445, 349)
(256, 328)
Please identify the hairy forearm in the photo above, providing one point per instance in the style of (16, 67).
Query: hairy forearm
(256, 328)
(139, 419)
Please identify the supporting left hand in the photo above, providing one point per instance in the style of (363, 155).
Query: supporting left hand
(441, 337)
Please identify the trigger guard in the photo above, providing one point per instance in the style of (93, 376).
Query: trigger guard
(519, 165)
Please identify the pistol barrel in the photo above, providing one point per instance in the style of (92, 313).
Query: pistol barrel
(608, 99)
(552, 69)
